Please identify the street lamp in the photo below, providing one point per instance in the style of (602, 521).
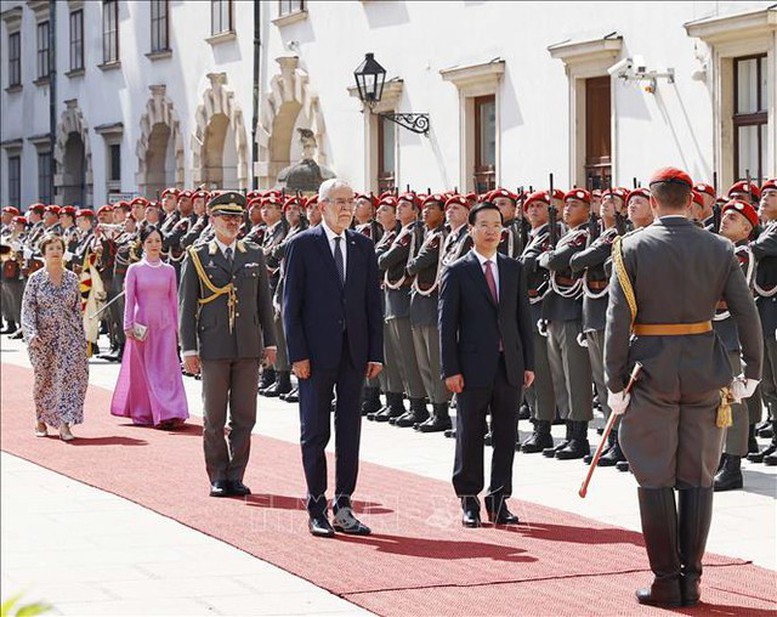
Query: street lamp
(370, 78)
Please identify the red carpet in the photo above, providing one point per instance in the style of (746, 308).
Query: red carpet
(418, 561)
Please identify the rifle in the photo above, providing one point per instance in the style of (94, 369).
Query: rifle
(749, 187)
(552, 217)
(620, 223)
(593, 228)
(716, 218)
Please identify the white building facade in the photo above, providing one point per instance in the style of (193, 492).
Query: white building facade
(162, 93)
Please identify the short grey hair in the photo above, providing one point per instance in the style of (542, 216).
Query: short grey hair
(330, 186)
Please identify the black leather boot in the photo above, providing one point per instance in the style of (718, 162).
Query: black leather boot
(539, 439)
(578, 446)
(550, 451)
(282, 385)
(268, 379)
(729, 476)
(765, 429)
(524, 413)
(9, 328)
(752, 442)
(439, 421)
(370, 400)
(759, 457)
(393, 409)
(614, 454)
(417, 414)
(659, 528)
(695, 516)
(611, 438)
(291, 397)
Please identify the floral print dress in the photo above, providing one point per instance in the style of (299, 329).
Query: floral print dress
(54, 332)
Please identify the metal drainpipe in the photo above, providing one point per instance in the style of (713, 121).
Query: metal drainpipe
(256, 68)
(52, 91)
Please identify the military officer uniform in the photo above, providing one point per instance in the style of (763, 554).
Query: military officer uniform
(397, 283)
(569, 362)
(11, 282)
(226, 318)
(665, 287)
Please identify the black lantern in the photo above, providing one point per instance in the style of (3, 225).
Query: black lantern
(370, 79)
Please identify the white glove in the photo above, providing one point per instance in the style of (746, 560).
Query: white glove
(618, 401)
(27, 253)
(742, 388)
(67, 256)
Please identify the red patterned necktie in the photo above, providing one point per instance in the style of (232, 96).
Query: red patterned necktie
(491, 281)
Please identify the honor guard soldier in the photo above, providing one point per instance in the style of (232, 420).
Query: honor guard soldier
(390, 379)
(364, 217)
(738, 220)
(458, 241)
(702, 211)
(425, 267)
(750, 193)
(171, 240)
(541, 395)
(11, 284)
(591, 263)
(562, 308)
(765, 251)
(292, 213)
(513, 235)
(638, 208)
(257, 227)
(666, 284)
(51, 220)
(201, 231)
(169, 199)
(396, 284)
(67, 223)
(35, 222)
(226, 326)
(272, 213)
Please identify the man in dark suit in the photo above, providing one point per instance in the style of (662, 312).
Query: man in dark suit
(487, 358)
(226, 328)
(664, 289)
(334, 330)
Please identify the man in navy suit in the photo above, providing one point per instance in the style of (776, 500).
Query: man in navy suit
(487, 356)
(334, 330)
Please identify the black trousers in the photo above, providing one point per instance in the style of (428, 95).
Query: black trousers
(472, 404)
(315, 402)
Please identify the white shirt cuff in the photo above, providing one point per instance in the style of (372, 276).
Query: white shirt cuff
(189, 353)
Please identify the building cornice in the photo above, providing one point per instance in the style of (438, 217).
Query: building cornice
(483, 74)
(572, 51)
(726, 28)
(12, 18)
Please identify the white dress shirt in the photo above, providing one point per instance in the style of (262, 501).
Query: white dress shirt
(223, 247)
(330, 236)
(494, 267)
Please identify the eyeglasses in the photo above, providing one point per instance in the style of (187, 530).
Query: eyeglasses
(342, 204)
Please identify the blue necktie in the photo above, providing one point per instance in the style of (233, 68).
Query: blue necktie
(339, 260)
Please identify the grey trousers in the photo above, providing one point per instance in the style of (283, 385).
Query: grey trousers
(596, 356)
(233, 383)
(282, 355)
(736, 434)
(426, 342)
(389, 378)
(401, 339)
(540, 395)
(769, 377)
(11, 292)
(671, 439)
(570, 367)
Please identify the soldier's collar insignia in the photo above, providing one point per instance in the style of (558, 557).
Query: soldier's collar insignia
(213, 247)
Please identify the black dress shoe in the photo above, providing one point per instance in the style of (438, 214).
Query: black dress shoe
(504, 517)
(345, 522)
(450, 433)
(622, 466)
(320, 527)
(219, 488)
(238, 489)
(470, 518)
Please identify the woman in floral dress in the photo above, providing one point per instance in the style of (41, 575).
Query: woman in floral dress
(54, 332)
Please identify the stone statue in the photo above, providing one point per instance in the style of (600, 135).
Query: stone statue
(305, 175)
